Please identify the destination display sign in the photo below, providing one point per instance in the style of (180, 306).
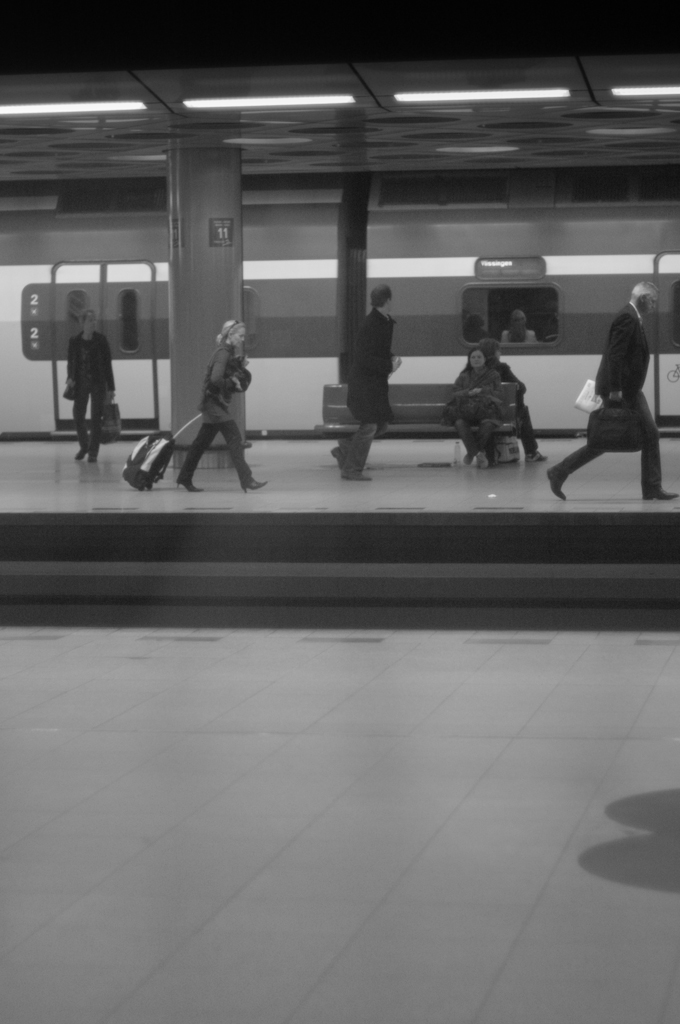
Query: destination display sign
(511, 268)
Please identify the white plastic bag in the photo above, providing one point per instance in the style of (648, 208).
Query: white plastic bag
(588, 401)
(507, 449)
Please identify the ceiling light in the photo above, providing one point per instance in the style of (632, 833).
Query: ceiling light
(487, 94)
(285, 141)
(630, 131)
(476, 149)
(139, 158)
(70, 108)
(649, 90)
(270, 101)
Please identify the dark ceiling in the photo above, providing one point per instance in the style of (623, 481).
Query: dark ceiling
(590, 127)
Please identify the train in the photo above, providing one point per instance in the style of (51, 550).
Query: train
(311, 256)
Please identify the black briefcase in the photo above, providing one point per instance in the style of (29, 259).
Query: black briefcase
(615, 429)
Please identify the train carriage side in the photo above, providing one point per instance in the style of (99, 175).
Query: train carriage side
(290, 276)
(588, 262)
(50, 268)
(290, 284)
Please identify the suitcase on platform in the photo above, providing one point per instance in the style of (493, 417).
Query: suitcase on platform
(150, 458)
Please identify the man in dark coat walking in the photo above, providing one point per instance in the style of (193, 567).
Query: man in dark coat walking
(620, 379)
(367, 390)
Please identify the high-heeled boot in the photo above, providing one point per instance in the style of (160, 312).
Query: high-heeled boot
(252, 485)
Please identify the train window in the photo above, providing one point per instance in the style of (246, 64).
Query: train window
(128, 303)
(676, 314)
(76, 302)
(514, 316)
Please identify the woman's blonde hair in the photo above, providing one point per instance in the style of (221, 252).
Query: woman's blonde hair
(227, 327)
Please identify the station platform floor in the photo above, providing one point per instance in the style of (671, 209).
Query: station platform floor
(318, 826)
(424, 543)
(303, 477)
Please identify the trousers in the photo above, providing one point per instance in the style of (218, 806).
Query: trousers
(485, 429)
(204, 438)
(355, 449)
(89, 442)
(650, 457)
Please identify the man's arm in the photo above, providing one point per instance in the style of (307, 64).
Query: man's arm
(621, 335)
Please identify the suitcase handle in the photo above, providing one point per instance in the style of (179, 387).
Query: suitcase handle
(181, 429)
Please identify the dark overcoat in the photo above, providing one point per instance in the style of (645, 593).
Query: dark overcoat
(624, 363)
(367, 387)
(100, 362)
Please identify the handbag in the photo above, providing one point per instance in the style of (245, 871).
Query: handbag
(615, 429)
(111, 425)
(70, 391)
(588, 401)
(462, 407)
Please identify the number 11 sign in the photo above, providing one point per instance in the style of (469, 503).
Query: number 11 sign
(221, 231)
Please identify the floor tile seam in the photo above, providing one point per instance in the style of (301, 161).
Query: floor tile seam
(139, 853)
(539, 896)
(641, 710)
(522, 732)
(349, 696)
(40, 703)
(188, 938)
(386, 896)
(662, 1017)
(106, 721)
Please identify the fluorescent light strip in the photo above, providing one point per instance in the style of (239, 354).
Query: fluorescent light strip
(270, 101)
(649, 90)
(69, 108)
(495, 94)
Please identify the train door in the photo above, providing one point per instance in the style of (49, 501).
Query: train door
(123, 293)
(667, 348)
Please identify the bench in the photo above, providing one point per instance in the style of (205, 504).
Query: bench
(417, 409)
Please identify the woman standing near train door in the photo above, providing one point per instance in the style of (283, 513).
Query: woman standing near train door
(90, 379)
(226, 374)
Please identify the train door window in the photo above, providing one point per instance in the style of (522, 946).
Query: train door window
(675, 314)
(128, 320)
(514, 316)
(76, 302)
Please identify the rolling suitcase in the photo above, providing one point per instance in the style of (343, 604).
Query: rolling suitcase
(150, 458)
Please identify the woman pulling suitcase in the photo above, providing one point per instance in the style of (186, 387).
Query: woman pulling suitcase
(226, 374)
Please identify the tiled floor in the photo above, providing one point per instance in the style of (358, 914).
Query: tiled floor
(317, 827)
(303, 476)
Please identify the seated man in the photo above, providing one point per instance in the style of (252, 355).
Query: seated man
(491, 349)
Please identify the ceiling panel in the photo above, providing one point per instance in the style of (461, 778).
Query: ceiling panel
(376, 133)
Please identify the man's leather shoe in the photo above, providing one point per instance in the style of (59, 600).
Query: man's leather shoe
(659, 495)
(556, 480)
(338, 456)
(356, 476)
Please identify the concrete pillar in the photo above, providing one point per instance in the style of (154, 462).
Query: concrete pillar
(206, 271)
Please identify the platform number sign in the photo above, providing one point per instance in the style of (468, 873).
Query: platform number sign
(35, 328)
(221, 231)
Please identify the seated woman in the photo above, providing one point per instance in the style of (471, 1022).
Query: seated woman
(491, 349)
(518, 332)
(477, 402)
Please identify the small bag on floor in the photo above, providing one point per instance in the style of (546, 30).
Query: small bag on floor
(110, 424)
(507, 449)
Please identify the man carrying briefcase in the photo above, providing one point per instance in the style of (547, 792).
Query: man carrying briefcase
(620, 380)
